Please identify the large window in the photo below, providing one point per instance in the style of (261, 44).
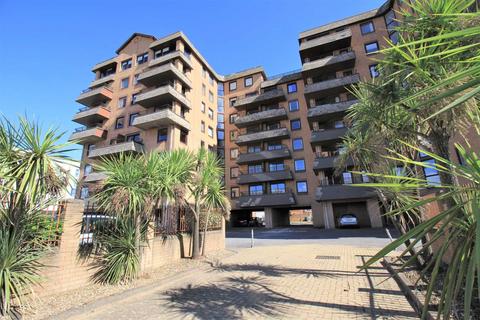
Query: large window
(371, 47)
(119, 123)
(142, 58)
(299, 165)
(256, 189)
(297, 144)
(132, 117)
(367, 27)
(127, 64)
(255, 168)
(162, 135)
(293, 105)
(292, 87)
(276, 166)
(392, 23)
(274, 146)
(278, 187)
(253, 149)
(302, 187)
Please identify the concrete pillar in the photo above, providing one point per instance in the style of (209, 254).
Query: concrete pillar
(373, 210)
(328, 216)
(268, 217)
(317, 215)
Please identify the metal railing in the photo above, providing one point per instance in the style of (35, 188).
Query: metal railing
(267, 169)
(91, 89)
(280, 75)
(257, 130)
(265, 193)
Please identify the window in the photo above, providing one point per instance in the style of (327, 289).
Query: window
(221, 135)
(202, 144)
(292, 87)
(233, 135)
(202, 126)
(124, 83)
(204, 73)
(248, 82)
(210, 79)
(233, 117)
(132, 117)
(234, 192)
(276, 166)
(135, 79)
(365, 178)
(255, 168)
(234, 153)
(278, 187)
(162, 135)
(256, 189)
(339, 124)
(119, 123)
(134, 98)
(373, 71)
(134, 137)
(347, 178)
(367, 27)
(233, 101)
(232, 85)
(293, 105)
(210, 131)
(210, 113)
(122, 102)
(299, 165)
(84, 193)
(274, 146)
(127, 64)
(431, 174)
(203, 107)
(141, 59)
(302, 187)
(295, 124)
(297, 144)
(253, 149)
(204, 90)
(371, 47)
(183, 136)
(210, 96)
(87, 170)
(347, 73)
(234, 172)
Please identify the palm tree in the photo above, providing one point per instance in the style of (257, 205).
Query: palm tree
(31, 180)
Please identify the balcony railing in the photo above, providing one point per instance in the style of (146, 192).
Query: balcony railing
(94, 96)
(328, 87)
(161, 96)
(327, 135)
(257, 117)
(265, 176)
(263, 135)
(160, 118)
(269, 96)
(170, 56)
(344, 60)
(123, 147)
(327, 160)
(343, 192)
(262, 155)
(325, 111)
(328, 40)
(88, 135)
(90, 116)
(160, 74)
(267, 199)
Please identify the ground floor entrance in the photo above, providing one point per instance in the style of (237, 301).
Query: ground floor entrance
(272, 217)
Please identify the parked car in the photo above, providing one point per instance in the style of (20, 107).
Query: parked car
(348, 220)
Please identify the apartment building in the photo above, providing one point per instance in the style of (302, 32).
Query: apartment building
(279, 136)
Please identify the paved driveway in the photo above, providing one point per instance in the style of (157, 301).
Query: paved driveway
(241, 237)
(307, 281)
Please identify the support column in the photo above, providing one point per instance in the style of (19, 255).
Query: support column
(373, 210)
(317, 215)
(328, 216)
(268, 217)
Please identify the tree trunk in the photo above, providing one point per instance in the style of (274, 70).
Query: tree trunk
(196, 232)
(204, 240)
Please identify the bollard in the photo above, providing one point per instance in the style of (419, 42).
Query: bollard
(251, 240)
(388, 234)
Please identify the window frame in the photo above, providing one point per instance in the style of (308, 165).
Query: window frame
(371, 52)
(367, 23)
(295, 165)
(245, 82)
(294, 121)
(159, 139)
(297, 183)
(290, 105)
(234, 83)
(292, 84)
(122, 118)
(293, 144)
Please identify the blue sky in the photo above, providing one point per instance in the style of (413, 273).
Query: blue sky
(47, 47)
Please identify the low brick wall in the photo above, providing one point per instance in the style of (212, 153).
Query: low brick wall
(66, 271)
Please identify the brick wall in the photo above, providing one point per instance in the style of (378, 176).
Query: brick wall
(66, 271)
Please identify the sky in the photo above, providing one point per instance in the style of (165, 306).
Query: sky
(47, 47)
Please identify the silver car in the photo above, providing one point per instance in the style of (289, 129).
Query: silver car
(348, 220)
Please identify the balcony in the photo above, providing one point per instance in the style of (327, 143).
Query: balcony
(328, 135)
(104, 64)
(330, 63)
(95, 177)
(161, 74)
(162, 96)
(161, 118)
(114, 149)
(171, 56)
(283, 153)
(267, 176)
(343, 192)
(96, 96)
(258, 117)
(90, 116)
(267, 200)
(266, 135)
(326, 43)
(328, 162)
(326, 111)
(88, 135)
(330, 87)
(102, 81)
(267, 97)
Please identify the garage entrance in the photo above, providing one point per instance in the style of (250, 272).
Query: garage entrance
(300, 217)
(359, 209)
